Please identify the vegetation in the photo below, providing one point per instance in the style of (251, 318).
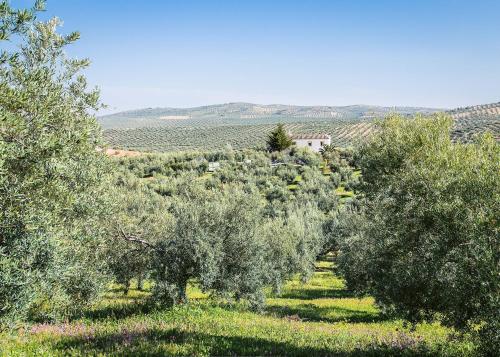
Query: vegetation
(249, 114)
(233, 252)
(243, 125)
(203, 135)
(428, 245)
(278, 139)
(320, 318)
(51, 176)
(236, 231)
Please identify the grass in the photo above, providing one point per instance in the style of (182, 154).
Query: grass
(341, 191)
(206, 176)
(319, 318)
(295, 183)
(325, 169)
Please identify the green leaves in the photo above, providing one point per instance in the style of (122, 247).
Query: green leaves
(52, 178)
(278, 140)
(40, 5)
(16, 21)
(426, 246)
(234, 231)
(72, 37)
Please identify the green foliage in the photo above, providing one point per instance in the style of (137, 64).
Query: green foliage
(51, 175)
(329, 152)
(214, 241)
(428, 243)
(235, 231)
(205, 129)
(471, 121)
(138, 213)
(320, 318)
(203, 135)
(15, 21)
(278, 139)
(241, 114)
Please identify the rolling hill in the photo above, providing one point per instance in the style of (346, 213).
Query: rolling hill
(470, 121)
(248, 114)
(243, 125)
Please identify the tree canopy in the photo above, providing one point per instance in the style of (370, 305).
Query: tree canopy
(428, 245)
(51, 182)
(278, 139)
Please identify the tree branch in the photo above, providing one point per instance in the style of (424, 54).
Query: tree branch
(136, 240)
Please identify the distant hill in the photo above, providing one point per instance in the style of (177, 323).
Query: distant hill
(245, 125)
(247, 113)
(485, 111)
(470, 121)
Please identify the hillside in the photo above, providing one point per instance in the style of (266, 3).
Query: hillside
(476, 119)
(243, 125)
(247, 113)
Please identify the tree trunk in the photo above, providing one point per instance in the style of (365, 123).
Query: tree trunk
(182, 298)
(126, 287)
(140, 282)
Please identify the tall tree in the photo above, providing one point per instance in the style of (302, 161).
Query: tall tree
(51, 175)
(278, 139)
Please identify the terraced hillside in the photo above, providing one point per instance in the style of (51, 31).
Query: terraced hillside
(217, 137)
(248, 114)
(243, 125)
(470, 121)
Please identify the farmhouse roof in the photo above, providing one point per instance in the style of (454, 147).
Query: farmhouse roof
(310, 136)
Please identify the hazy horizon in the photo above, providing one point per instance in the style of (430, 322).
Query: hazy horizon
(108, 112)
(436, 54)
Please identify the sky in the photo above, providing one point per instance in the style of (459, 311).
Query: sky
(184, 53)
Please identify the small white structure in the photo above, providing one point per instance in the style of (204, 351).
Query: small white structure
(313, 141)
(213, 166)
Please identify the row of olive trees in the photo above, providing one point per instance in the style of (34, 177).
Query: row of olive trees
(290, 228)
(222, 239)
(426, 244)
(55, 246)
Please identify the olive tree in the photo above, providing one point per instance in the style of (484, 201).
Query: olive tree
(428, 245)
(140, 213)
(51, 175)
(305, 225)
(213, 240)
(292, 244)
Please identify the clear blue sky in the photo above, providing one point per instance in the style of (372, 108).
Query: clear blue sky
(149, 53)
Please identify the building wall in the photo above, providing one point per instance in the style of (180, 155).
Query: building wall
(313, 144)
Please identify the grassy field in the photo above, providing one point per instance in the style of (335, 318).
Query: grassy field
(319, 318)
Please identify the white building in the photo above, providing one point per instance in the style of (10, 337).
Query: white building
(313, 141)
(213, 166)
